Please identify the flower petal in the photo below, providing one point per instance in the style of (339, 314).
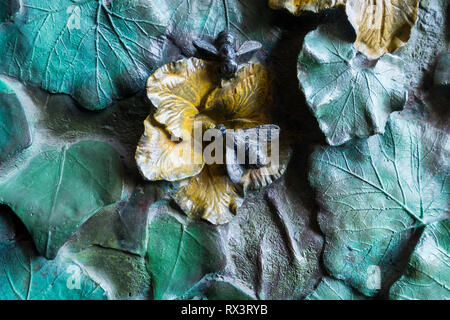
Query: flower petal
(262, 177)
(160, 158)
(296, 6)
(382, 26)
(177, 89)
(210, 195)
(244, 100)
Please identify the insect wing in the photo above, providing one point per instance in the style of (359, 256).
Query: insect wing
(256, 140)
(206, 46)
(234, 169)
(248, 46)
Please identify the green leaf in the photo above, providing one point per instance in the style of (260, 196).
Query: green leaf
(374, 194)
(61, 188)
(180, 252)
(95, 51)
(111, 245)
(248, 20)
(7, 225)
(14, 131)
(348, 96)
(9, 9)
(332, 289)
(123, 225)
(427, 276)
(218, 287)
(98, 51)
(24, 275)
(121, 274)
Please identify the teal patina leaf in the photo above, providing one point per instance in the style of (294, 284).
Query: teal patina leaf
(332, 289)
(112, 244)
(427, 276)
(374, 194)
(180, 252)
(101, 50)
(9, 9)
(219, 287)
(59, 189)
(350, 97)
(24, 275)
(14, 131)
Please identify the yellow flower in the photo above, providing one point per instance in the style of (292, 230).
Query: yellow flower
(191, 91)
(382, 26)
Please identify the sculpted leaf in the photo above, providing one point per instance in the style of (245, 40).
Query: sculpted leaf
(218, 287)
(272, 248)
(24, 275)
(427, 276)
(381, 26)
(14, 131)
(332, 289)
(112, 244)
(180, 252)
(348, 98)
(59, 189)
(9, 9)
(98, 51)
(374, 195)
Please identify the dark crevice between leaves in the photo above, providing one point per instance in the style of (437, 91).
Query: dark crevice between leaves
(447, 24)
(292, 110)
(401, 263)
(18, 230)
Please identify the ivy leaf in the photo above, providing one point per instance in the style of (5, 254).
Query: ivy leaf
(332, 289)
(9, 9)
(61, 188)
(381, 26)
(95, 51)
(14, 131)
(24, 275)
(374, 194)
(248, 20)
(180, 252)
(219, 287)
(348, 97)
(121, 274)
(122, 225)
(427, 276)
(111, 245)
(98, 51)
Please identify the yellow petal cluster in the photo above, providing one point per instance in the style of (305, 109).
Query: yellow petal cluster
(190, 90)
(382, 26)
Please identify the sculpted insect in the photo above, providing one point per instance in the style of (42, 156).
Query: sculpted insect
(224, 51)
(247, 149)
